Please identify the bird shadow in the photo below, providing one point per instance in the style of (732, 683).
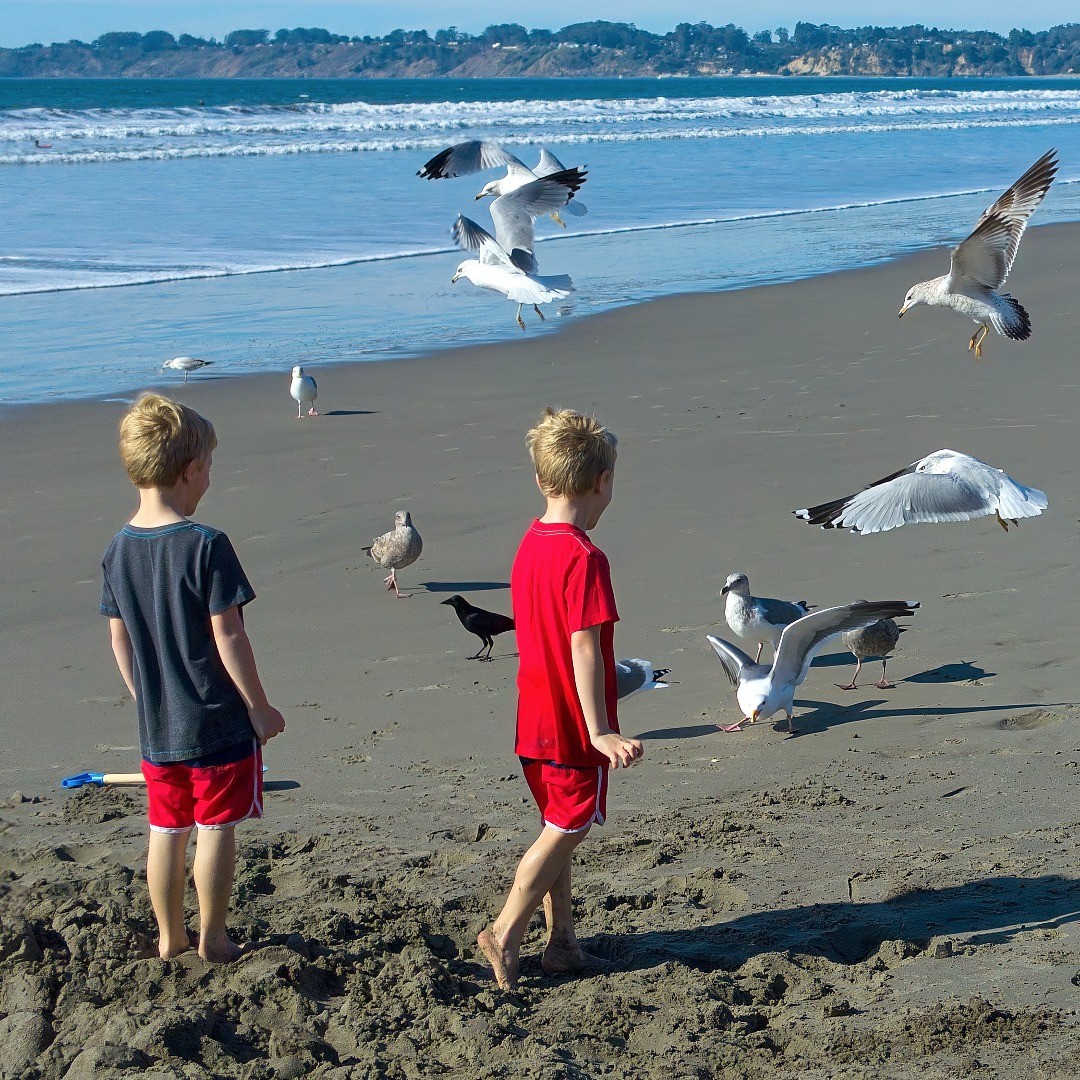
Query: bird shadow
(280, 785)
(823, 715)
(836, 659)
(462, 586)
(964, 671)
(351, 412)
(986, 911)
(692, 731)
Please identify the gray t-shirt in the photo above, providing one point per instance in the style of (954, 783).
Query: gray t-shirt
(165, 583)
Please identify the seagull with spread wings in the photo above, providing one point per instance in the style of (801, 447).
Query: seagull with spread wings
(763, 689)
(506, 263)
(943, 486)
(980, 265)
(464, 159)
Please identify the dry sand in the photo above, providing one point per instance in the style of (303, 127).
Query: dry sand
(891, 893)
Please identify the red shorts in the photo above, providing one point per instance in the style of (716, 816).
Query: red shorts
(570, 798)
(214, 797)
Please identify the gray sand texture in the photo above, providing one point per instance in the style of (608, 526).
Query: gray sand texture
(891, 893)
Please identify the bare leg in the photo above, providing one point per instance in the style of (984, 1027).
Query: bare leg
(166, 877)
(521, 321)
(391, 583)
(214, 870)
(538, 312)
(792, 730)
(851, 685)
(539, 869)
(299, 410)
(563, 955)
(883, 683)
(760, 646)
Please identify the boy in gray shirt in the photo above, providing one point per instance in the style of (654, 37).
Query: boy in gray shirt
(173, 592)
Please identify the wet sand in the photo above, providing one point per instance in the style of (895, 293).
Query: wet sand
(892, 892)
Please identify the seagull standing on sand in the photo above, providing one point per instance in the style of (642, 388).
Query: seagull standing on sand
(634, 675)
(758, 618)
(396, 549)
(464, 159)
(304, 391)
(186, 364)
(506, 262)
(876, 640)
(980, 265)
(763, 690)
(943, 486)
(484, 624)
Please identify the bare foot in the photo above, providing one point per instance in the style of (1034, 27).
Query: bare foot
(560, 961)
(731, 728)
(169, 949)
(504, 962)
(883, 685)
(221, 951)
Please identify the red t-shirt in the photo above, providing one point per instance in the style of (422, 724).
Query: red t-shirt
(560, 583)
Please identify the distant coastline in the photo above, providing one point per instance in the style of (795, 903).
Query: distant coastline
(589, 49)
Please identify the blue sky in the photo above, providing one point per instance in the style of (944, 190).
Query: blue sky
(26, 21)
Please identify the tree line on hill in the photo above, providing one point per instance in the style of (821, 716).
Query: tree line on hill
(596, 48)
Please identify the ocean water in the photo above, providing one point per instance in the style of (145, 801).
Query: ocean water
(262, 223)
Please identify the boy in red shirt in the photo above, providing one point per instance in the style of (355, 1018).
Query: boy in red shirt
(567, 724)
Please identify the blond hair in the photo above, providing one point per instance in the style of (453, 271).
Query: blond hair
(159, 438)
(570, 451)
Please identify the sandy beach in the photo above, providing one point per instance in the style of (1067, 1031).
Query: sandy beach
(890, 893)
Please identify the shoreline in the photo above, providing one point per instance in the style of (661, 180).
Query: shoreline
(891, 893)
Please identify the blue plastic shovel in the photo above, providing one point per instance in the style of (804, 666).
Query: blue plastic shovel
(103, 778)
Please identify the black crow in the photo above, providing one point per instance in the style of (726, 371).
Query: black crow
(484, 624)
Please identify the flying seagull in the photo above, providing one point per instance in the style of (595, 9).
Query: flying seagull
(396, 549)
(484, 624)
(304, 390)
(464, 159)
(757, 618)
(980, 265)
(943, 486)
(186, 364)
(763, 690)
(634, 675)
(877, 640)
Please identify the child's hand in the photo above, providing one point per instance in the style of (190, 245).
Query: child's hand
(618, 749)
(267, 723)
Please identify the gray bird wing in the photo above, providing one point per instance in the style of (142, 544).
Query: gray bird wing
(736, 664)
(515, 212)
(803, 639)
(780, 612)
(471, 237)
(987, 255)
(463, 159)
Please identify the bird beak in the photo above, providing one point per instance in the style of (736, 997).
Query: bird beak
(453, 280)
(900, 314)
(723, 590)
(478, 197)
(754, 715)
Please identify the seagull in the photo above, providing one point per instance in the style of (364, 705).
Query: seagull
(466, 158)
(484, 624)
(506, 262)
(396, 549)
(764, 690)
(980, 265)
(943, 486)
(303, 389)
(756, 617)
(186, 364)
(878, 640)
(635, 675)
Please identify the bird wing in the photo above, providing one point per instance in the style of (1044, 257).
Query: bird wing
(736, 664)
(549, 163)
(463, 159)
(1002, 494)
(803, 639)
(471, 237)
(987, 255)
(779, 612)
(515, 212)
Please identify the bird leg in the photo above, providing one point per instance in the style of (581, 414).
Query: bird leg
(732, 728)
(558, 220)
(538, 312)
(391, 583)
(858, 667)
(312, 412)
(299, 410)
(521, 321)
(760, 646)
(792, 730)
(1002, 522)
(977, 339)
(882, 683)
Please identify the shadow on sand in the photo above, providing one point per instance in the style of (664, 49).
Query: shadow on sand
(987, 911)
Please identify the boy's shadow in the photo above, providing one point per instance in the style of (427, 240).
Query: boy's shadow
(987, 911)
(462, 586)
